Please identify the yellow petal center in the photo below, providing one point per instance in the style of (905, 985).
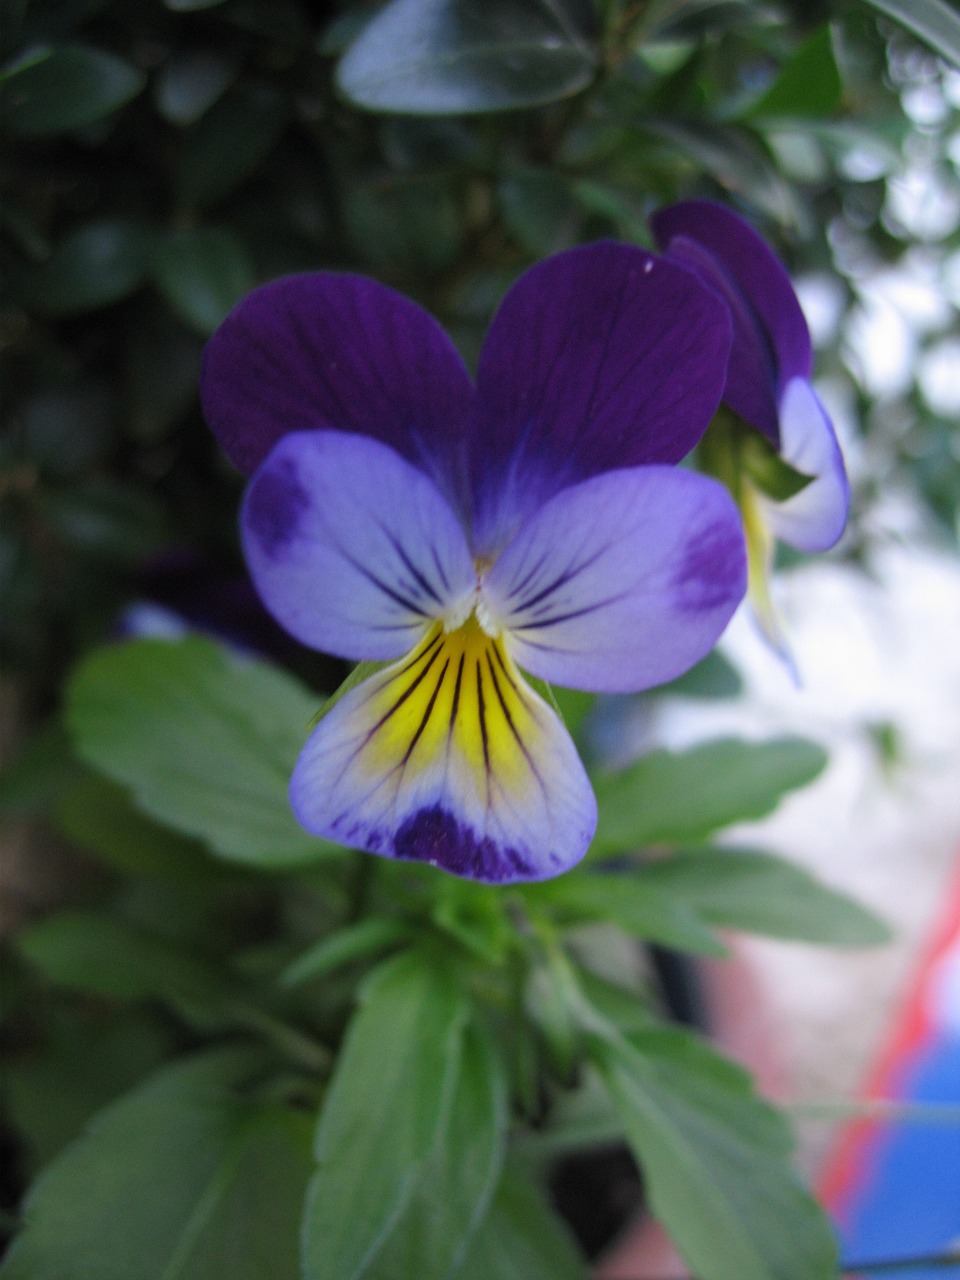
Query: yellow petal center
(458, 695)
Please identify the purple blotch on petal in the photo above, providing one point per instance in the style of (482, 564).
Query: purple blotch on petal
(351, 548)
(434, 835)
(275, 505)
(621, 582)
(712, 568)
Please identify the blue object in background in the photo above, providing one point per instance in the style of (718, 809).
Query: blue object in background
(894, 1185)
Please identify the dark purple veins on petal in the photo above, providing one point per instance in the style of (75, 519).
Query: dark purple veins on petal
(507, 714)
(434, 650)
(275, 506)
(419, 579)
(405, 596)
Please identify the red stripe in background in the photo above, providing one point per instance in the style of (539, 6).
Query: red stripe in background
(850, 1157)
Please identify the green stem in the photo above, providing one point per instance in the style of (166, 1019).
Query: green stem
(293, 1044)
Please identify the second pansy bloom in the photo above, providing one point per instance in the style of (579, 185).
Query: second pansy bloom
(769, 390)
(459, 531)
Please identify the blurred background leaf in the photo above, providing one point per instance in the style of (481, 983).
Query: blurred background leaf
(94, 265)
(185, 1137)
(205, 740)
(808, 83)
(692, 1118)
(453, 56)
(229, 143)
(934, 21)
(52, 90)
(762, 893)
(202, 273)
(685, 796)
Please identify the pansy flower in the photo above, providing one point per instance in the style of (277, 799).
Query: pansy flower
(768, 387)
(400, 513)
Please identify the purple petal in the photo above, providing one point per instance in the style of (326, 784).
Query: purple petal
(771, 342)
(353, 550)
(621, 582)
(448, 757)
(336, 352)
(599, 358)
(814, 518)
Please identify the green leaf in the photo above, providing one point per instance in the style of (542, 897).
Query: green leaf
(539, 209)
(53, 90)
(189, 6)
(415, 220)
(355, 942)
(474, 914)
(283, 23)
(103, 956)
(604, 201)
(629, 900)
(547, 1009)
(112, 959)
(669, 797)
(436, 57)
(521, 1238)
(67, 428)
(382, 1115)
(357, 676)
(572, 705)
(933, 21)
(713, 677)
(94, 265)
(204, 740)
(99, 816)
(682, 20)
(459, 1177)
(770, 472)
(624, 1006)
(578, 1119)
(759, 893)
(341, 31)
(714, 1161)
(203, 273)
(106, 519)
(190, 82)
(85, 1055)
(808, 83)
(161, 374)
(23, 228)
(736, 159)
(230, 143)
(182, 1179)
(39, 774)
(49, 24)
